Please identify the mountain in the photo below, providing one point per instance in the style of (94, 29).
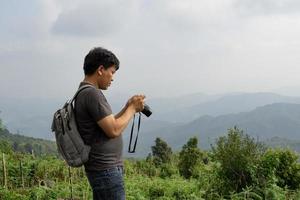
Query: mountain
(232, 103)
(278, 142)
(22, 143)
(165, 105)
(30, 117)
(33, 117)
(279, 119)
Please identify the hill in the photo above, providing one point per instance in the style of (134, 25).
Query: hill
(33, 117)
(277, 142)
(227, 104)
(25, 144)
(274, 120)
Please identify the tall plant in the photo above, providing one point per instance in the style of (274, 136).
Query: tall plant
(189, 157)
(239, 156)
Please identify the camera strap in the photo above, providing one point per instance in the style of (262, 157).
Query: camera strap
(130, 150)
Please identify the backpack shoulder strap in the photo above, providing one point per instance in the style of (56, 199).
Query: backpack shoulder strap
(79, 90)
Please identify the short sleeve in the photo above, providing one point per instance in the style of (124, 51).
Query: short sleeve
(97, 105)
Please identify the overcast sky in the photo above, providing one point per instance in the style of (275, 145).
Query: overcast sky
(166, 47)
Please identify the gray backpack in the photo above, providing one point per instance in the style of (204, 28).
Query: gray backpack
(69, 142)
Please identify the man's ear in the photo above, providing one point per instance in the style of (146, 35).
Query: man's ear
(100, 70)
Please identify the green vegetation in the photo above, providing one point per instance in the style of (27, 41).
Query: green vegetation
(239, 156)
(189, 158)
(25, 144)
(1, 124)
(161, 152)
(238, 167)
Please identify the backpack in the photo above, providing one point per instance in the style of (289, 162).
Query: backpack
(69, 142)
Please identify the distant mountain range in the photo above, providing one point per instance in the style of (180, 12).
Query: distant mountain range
(29, 117)
(216, 105)
(278, 142)
(262, 115)
(275, 120)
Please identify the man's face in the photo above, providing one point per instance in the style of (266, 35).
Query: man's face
(106, 76)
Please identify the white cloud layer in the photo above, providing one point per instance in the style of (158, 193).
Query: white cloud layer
(166, 48)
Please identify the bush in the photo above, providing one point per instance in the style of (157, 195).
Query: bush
(189, 158)
(167, 170)
(281, 166)
(161, 152)
(10, 195)
(145, 168)
(42, 193)
(239, 156)
(5, 147)
(156, 191)
(184, 193)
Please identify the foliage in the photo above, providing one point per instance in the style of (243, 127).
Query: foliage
(168, 170)
(273, 174)
(10, 195)
(42, 193)
(281, 166)
(239, 155)
(19, 143)
(189, 158)
(140, 187)
(5, 147)
(1, 125)
(161, 152)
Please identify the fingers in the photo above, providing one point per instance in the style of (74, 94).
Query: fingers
(138, 101)
(140, 96)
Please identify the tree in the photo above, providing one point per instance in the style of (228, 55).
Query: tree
(1, 125)
(281, 166)
(5, 147)
(161, 152)
(28, 148)
(239, 155)
(189, 157)
(15, 146)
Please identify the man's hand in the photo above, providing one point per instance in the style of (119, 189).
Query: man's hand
(113, 126)
(137, 102)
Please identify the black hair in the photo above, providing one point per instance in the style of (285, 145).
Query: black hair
(99, 56)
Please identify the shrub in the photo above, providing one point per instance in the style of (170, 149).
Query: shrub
(167, 170)
(189, 158)
(161, 152)
(10, 195)
(281, 166)
(156, 191)
(239, 155)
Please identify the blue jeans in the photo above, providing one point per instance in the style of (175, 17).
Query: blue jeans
(107, 184)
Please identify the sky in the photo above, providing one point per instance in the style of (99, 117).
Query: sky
(166, 48)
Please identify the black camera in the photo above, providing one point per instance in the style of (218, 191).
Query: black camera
(147, 110)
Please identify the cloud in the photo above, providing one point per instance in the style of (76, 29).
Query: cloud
(25, 24)
(176, 46)
(198, 13)
(94, 18)
(267, 7)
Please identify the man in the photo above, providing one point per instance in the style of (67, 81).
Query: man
(101, 129)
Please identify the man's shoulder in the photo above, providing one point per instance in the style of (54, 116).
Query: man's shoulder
(90, 89)
(90, 92)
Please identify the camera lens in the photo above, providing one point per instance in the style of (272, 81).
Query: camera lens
(147, 111)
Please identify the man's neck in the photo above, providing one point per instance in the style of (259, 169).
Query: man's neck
(90, 81)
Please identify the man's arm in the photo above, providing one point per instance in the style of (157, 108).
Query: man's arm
(121, 112)
(113, 126)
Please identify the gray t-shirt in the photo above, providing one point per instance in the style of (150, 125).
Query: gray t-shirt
(90, 107)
